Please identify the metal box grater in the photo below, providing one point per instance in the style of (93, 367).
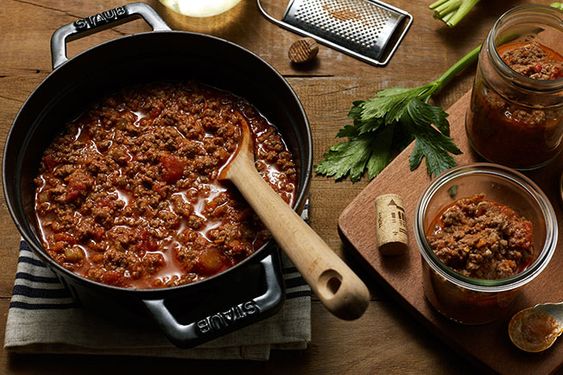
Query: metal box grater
(367, 29)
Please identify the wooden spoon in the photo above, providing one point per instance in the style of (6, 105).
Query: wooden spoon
(339, 289)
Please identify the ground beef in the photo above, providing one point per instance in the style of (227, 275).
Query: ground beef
(482, 239)
(128, 194)
(533, 60)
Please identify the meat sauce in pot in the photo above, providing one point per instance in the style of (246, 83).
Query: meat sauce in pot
(128, 194)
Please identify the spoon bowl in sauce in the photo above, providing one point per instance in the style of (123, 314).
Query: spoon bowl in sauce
(535, 329)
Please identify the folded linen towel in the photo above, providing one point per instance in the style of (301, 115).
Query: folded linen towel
(43, 318)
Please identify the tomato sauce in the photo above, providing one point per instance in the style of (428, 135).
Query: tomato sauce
(127, 194)
(503, 126)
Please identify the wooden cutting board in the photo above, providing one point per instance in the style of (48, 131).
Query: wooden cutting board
(488, 344)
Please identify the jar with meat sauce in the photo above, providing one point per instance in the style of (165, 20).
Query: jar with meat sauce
(516, 112)
(469, 299)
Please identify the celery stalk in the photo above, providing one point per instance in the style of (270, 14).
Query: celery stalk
(452, 11)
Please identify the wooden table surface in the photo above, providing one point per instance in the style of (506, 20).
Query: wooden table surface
(386, 339)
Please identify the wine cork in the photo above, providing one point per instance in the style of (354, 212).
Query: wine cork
(303, 51)
(391, 227)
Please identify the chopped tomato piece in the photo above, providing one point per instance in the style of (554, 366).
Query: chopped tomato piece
(113, 278)
(72, 195)
(78, 183)
(50, 161)
(98, 233)
(210, 262)
(172, 168)
(147, 242)
(64, 237)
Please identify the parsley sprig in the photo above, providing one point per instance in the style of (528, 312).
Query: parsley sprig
(387, 123)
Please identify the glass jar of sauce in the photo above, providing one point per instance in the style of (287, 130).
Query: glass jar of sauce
(472, 300)
(516, 112)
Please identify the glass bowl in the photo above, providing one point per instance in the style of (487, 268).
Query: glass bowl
(478, 301)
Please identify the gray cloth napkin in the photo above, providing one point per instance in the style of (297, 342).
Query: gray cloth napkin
(43, 318)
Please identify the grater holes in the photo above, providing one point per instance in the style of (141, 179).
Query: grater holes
(356, 21)
(360, 24)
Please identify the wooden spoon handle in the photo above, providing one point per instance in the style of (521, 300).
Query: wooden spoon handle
(338, 287)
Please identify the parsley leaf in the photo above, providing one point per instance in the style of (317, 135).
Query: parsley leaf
(435, 148)
(352, 158)
(385, 124)
(389, 104)
(431, 144)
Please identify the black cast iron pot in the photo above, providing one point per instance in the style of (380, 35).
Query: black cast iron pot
(193, 313)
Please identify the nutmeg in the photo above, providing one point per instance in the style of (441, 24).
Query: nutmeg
(303, 51)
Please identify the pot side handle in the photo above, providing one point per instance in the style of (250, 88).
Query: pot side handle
(222, 322)
(101, 21)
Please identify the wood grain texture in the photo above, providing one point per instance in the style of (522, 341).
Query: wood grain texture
(386, 340)
(487, 343)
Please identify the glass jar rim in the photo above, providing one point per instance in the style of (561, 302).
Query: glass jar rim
(485, 285)
(518, 79)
